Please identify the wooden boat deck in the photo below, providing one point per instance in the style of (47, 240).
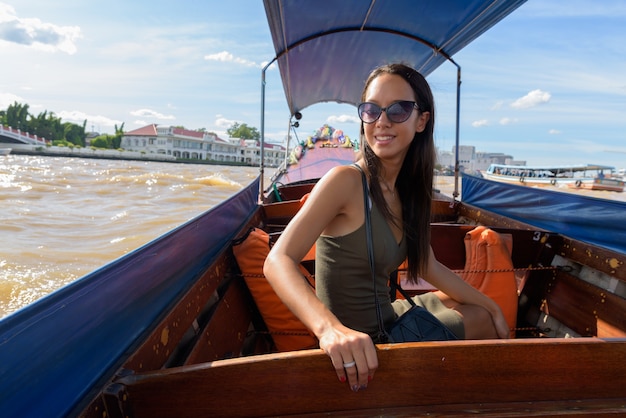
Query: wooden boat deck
(212, 354)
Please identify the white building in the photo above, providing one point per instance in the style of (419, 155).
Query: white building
(197, 145)
(470, 160)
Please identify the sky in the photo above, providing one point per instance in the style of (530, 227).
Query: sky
(546, 85)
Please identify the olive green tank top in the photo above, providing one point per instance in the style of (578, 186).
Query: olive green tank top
(343, 280)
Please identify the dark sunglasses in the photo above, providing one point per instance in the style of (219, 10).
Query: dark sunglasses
(397, 112)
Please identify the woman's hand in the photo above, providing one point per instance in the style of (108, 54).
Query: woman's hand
(353, 355)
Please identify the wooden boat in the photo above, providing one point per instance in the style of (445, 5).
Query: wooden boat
(172, 328)
(591, 176)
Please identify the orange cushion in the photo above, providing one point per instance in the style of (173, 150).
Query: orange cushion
(486, 253)
(287, 331)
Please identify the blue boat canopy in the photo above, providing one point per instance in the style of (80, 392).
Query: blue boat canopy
(326, 48)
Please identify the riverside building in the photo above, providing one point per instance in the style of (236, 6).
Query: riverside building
(197, 145)
(471, 161)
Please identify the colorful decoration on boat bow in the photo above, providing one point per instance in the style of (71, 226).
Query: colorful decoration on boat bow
(328, 137)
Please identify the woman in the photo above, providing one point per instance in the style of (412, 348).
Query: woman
(397, 117)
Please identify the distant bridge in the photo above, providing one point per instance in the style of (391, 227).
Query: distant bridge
(9, 135)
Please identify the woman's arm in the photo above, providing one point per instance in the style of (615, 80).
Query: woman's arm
(330, 208)
(452, 285)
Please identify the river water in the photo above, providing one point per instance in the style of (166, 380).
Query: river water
(61, 218)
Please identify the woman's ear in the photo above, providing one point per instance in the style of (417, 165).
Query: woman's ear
(422, 120)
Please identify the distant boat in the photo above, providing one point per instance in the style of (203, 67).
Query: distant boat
(591, 176)
(5, 151)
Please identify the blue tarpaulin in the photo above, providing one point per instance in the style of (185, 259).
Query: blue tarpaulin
(596, 221)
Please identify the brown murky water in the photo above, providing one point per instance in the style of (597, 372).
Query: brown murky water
(64, 217)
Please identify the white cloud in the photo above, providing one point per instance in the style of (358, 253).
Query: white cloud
(532, 99)
(151, 114)
(498, 105)
(226, 56)
(79, 117)
(223, 123)
(480, 123)
(140, 123)
(7, 99)
(342, 119)
(34, 33)
(507, 121)
(554, 132)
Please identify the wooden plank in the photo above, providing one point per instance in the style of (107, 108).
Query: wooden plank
(585, 308)
(425, 377)
(448, 244)
(597, 408)
(280, 213)
(158, 347)
(598, 258)
(530, 247)
(582, 307)
(442, 211)
(225, 333)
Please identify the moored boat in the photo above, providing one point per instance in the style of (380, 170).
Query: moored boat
(590, 176)
(174, 328)
(5, 151)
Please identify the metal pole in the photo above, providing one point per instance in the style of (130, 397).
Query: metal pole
(262, 143)
(455, 194)
(288, 143)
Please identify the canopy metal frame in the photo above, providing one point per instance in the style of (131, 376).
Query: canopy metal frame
(435, 48)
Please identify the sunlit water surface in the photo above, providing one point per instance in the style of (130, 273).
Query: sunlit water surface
(63, 217)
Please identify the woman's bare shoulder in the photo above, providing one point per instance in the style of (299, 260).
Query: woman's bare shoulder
(341, 177)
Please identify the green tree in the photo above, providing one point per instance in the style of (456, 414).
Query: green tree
(48, 126)
(102, 141)
(116, 140)
(16, 116)
(74, 134)
(243, 131)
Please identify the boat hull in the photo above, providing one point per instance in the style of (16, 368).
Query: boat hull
(546, 177)
(605, 184)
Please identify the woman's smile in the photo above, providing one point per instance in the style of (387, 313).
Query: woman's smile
(384, 138)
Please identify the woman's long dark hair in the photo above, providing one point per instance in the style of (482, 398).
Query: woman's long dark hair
(415, 180)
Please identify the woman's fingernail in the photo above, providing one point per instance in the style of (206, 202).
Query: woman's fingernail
(342, 379)
(355, 388)
(363, 387)
(369, 378)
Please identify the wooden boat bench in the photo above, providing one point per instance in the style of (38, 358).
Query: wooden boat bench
(459, 378)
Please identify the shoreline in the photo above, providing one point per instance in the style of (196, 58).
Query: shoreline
(117, 155)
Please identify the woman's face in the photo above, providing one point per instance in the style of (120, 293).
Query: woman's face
(389, 140)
